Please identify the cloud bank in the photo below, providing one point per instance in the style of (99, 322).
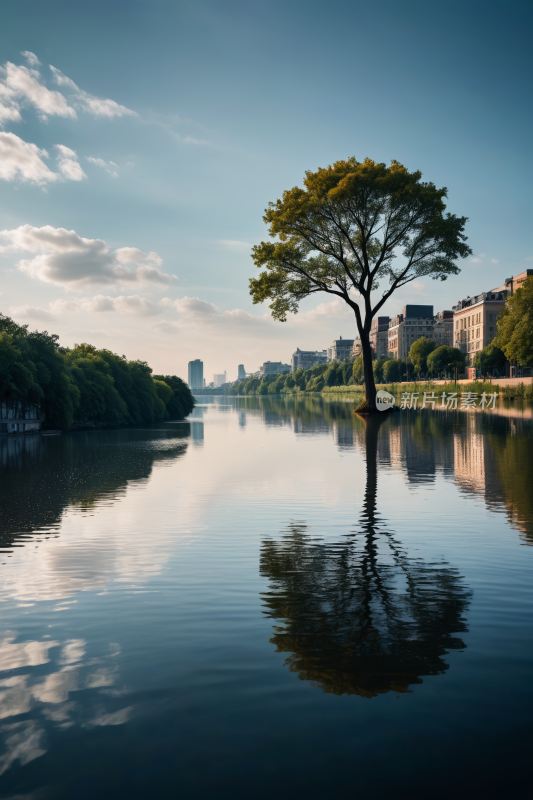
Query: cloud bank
(23, 160)
(22, 86)
(66, 259)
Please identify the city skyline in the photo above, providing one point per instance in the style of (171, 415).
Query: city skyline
(112, 165)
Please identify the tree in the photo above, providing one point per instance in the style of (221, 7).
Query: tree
(341, 615)
(445, 357)
(358, 370)
(378, 365)
(515, 326)
(181, 403)
(392, 370)
(342, 234)
(419, 352)
(489, 359)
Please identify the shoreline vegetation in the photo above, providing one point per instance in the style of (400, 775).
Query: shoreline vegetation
(346, 378)
(83, 387)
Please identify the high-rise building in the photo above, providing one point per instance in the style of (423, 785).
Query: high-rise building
(220, 379)
(241, 373)
(305, 359)
(196, 374)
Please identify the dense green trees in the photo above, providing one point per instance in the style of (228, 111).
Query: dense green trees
(419, 352)
(445, 358)
(489, 359)
(515, 326)
(84, 386)
(392, 370)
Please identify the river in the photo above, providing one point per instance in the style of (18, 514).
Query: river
(275, 597)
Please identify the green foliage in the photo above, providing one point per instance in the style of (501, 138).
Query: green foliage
(181, 403)
(392, 370)
(358, 373)
(418, 353)
(377, 366)
(515, 326)
(343, 232)
(490, 359)
(445, 358)
(84, 386)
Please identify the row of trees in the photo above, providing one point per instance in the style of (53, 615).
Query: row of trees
(514, 341)
(425, 359)
(84, 386)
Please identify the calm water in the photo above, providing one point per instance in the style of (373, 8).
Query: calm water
(276, 597)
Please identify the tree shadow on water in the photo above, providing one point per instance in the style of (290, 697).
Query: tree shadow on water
(361, 616)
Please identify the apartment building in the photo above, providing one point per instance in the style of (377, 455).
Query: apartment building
(340, 349)
(274, 368)
(356, 347)
(443, 328)
(305, 359)
(474, 318)
(379, 336)
(404, 329)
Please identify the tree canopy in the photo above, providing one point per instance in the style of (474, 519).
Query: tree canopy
(84, 386)
(445, 357)
(353, 228)
(419, 352)
(515, 326)
(489, 359)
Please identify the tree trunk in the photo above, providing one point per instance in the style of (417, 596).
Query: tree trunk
(370, 384)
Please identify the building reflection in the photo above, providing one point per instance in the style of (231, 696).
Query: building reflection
(486, 454)
(197, 432)
(361, 616)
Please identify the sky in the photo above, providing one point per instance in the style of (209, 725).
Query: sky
(141, 141)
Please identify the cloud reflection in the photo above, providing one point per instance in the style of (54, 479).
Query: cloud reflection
(48, 700)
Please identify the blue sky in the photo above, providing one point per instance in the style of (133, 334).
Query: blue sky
(179, 121)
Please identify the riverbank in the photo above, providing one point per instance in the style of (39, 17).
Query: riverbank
(521, 391)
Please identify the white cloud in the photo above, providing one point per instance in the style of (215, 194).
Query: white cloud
(132, 304)
(24, 161)
(97, 106)
(31, 312)
(99, 162)
(31, 58)
(234, 244)
(21, 86)
(20, 159)
(68, 164)
(495, 261)
(475, 260)
(67, 259)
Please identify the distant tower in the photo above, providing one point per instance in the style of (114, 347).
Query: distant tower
(196, 374)
(242, 372)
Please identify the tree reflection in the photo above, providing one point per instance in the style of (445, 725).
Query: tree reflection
(361, 616)
(42, 476)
